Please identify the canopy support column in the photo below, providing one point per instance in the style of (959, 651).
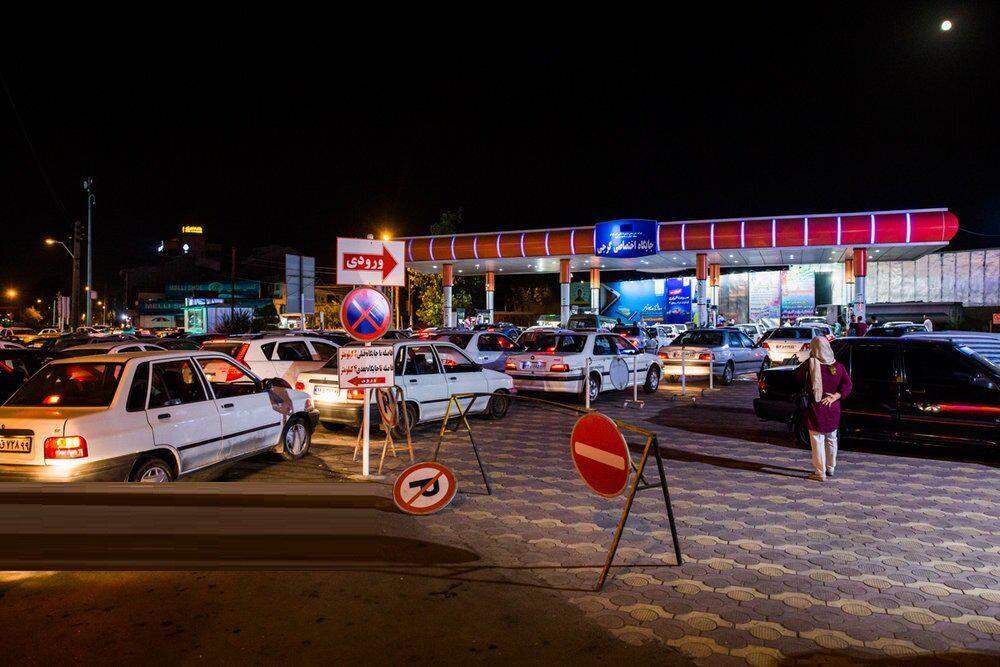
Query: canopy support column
(701, 273)
(447, 280)
(565, 276)
(860, 272)
(490, 283)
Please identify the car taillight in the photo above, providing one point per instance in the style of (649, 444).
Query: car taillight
(706, 356)
(765, 345)
(66, 447)
(300, 386)
(663, 355)
(805, 346)
(243, 351)
(559, 367)
(510, 366)
(762, 386)
(830, 337)
(355, 394)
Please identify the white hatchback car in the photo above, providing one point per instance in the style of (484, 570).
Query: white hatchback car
(276, 355)
(427, 371)
(147, 417)
(556, 362)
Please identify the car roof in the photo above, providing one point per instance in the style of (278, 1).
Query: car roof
(122, 357)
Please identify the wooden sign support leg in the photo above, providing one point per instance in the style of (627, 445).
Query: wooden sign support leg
(640, 484)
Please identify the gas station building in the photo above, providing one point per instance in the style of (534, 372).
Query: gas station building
(775, 266)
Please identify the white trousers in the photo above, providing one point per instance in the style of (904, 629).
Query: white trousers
(824, 449)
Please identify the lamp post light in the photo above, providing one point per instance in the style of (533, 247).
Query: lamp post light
(88, 187)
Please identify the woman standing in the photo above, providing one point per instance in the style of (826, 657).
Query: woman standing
(826, 383)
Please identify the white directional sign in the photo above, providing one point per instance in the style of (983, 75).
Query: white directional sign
(365, 367)
(369, 262)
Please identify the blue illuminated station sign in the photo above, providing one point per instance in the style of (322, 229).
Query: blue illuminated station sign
(626, 239)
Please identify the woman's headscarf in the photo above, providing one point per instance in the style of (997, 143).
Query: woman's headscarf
(820, 354)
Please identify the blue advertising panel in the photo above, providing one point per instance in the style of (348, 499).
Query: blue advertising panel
(626, 238)
(653, 300)
(798, 291)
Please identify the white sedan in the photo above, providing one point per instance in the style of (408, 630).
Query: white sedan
(557, 362)
(147, 417)
(429, 372)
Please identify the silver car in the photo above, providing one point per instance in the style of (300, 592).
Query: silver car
(489, 349)
(724, 352)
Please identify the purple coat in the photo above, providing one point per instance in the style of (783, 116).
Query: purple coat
(818, 417)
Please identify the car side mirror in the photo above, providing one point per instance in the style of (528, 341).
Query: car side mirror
(275, 383)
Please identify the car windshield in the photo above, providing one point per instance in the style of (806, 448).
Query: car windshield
(792, 333)
(627, 329)
(969, 352)
(706, 338)
(547, 342)
(84, 351)
(459, 340)
(70, 385)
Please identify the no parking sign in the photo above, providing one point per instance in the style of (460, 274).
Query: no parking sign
(424, 488)
(365, 314)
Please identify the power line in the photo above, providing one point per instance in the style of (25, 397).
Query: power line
(34, 154)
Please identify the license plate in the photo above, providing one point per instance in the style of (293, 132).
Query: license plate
(326, 391)
(17, 444)
(527, 365)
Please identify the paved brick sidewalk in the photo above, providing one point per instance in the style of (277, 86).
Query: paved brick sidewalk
(898, 556)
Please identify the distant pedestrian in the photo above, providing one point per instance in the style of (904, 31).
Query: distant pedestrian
(928, 324)
(839, 326)
(825, 382)
(862, 326)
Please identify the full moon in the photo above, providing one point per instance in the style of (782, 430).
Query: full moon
(946, 25)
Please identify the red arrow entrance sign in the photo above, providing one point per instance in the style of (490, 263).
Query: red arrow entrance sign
(383, 263)
(370, 262)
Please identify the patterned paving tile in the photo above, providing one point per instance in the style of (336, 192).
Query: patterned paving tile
(899, 555)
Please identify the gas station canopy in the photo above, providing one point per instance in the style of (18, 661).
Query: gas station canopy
(657, 247)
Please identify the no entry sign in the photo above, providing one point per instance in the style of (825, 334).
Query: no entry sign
(424, 488)
(365, 314)
(369, 262)
(600, 454)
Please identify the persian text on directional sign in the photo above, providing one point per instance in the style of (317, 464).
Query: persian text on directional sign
(600, 454)
(360, 367)
(365, 314)
(424, 488)
(369, 262)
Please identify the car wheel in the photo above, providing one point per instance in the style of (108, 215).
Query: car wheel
(728, 373)
(498, 405)
(399, 430)
(652, 380)
(296, 439)
(594, 387)
(152, 471)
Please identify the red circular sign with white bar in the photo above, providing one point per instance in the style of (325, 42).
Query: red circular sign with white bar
(424, 488)
(600, 454)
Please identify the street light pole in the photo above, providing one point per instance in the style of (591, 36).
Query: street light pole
(88, 187)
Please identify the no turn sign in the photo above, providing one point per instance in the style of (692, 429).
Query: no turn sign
(424, 488)
(600, 454)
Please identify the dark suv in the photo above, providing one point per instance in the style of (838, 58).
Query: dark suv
(905, 389)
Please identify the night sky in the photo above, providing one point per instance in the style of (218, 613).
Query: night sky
(274, 127)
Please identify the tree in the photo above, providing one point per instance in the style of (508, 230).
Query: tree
(32, 316)
(430, 297)
(528, 298)
(331, 315)
(240, 322)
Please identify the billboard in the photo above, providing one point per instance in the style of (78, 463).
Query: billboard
(653, 300)
(798, 291)
(765, 295)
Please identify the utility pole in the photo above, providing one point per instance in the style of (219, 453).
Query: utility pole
(232, 287)
(74, 307)
(88, 187)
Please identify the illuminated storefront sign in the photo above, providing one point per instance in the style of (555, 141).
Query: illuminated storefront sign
(191, 229)
(626, 238)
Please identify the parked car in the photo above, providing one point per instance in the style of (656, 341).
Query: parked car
(919, 390)
(487, 348)
(427, 371)
(894, 331)
(590, 322)
(278, 355)
(725, 352)
(643, 338)
(147, 417)
(506, 328)
(754, 331)
(809, 320)
(177, 344)
(17, 365)
(790, 345)
(556, 362)
(16, 334)
(10, 345)
(113, 347)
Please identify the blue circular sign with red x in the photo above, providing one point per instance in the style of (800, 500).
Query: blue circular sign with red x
(365, 314)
